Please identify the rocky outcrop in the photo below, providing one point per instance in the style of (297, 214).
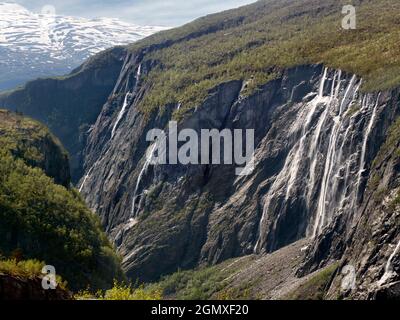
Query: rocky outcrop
(17, 288)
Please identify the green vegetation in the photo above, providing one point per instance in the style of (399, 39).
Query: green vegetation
(391, 147)
(315, 287)
(21, 136)
(193, 284)
(45, 221)
(26, 269)
(32, 142)
(258, 41)
(202, 284)
(122, 291)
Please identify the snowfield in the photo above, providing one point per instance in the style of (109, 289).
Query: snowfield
(35, 45)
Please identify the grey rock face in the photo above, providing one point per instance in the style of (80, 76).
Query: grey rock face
(316, 135)
(373, 243)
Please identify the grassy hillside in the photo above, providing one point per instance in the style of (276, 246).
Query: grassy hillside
(256, 42)
(46, 221)
(32, 142)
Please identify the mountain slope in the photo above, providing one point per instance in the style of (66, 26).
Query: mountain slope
(35, 45)
(72, 103)
(45, 221)
(321, 100)
(255, 42)
(30, 141)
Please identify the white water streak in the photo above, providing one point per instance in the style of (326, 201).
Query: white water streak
(365, 143)
(139, 72)
(389, 271)
(125, 104)
(329, 162)
(149, 157)
(84, 179)
(120, 115)
(295, 164)
(317, 134)
(293, 160)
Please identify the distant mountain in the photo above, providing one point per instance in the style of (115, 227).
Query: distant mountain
(33, 45)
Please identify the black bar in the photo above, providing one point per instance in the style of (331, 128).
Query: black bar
(113, 310)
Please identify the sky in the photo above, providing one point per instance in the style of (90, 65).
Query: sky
(144, 12)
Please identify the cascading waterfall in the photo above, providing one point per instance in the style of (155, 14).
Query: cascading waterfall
(120, 115)
(294, 158)
(295, 163)
(149, 156)
(328, 137)
(389, 270)
(321, 215)
(132, 221)
(317, 133)
(365, 142)
(138, 73)
(125, 104)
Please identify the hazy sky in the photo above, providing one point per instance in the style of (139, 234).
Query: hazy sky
(151, 12)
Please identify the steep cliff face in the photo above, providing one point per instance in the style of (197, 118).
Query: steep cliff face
(69, 106)
(373, 249)
(316, 135)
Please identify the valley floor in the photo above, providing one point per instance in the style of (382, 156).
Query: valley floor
(266, 277)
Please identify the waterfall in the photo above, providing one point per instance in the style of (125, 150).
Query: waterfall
(321, 215)
(86, 177)
(287, 177)
(317, 134)
(149, 157)
(389, 271)
(120, 115)
(125, 104)
(295, 163)
(365, 143)
(322, 172)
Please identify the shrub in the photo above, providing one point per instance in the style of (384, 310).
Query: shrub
(121, 291)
